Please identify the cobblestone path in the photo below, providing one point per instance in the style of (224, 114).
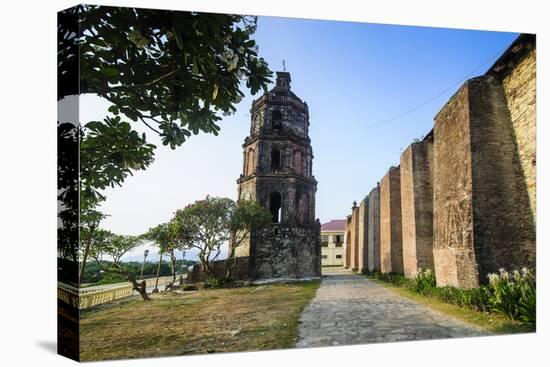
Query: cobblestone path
(351, 309)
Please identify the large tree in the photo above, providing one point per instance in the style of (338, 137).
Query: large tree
(206, 225)
(248, 215)
(174, 72)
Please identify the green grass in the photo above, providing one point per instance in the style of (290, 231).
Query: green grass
(490, 321)
(205, 321)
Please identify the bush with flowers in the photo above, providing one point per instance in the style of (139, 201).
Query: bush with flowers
(514, 294)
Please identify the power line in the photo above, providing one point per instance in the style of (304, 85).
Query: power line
(397, 117)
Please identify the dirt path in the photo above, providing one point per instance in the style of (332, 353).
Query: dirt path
(351, 309)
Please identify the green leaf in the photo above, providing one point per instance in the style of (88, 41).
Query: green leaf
(110, 72)
(114, 110)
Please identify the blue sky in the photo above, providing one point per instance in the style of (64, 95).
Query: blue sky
(356, 75)
(353, 76)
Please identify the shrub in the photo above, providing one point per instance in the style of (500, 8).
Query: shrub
(423, 282)
(394, 278)
(511, 294)
(514, 294)
(476, 299)
(217, 282)
(213, 282)
(188, 287)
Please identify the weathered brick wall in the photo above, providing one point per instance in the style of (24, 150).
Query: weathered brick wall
(347, 243)
(373, 231)
(354, 239)
(519, 86)
(480, 221)
(417, 206)
(286, 252)
(362, 217)
(391, 247)
(452, 185)
(504, 234)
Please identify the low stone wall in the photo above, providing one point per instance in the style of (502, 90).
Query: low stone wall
(71, 296)
(239, 271)
(86, 297)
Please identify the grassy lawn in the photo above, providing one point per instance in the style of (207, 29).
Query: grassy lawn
(490, 321)
(205, 321)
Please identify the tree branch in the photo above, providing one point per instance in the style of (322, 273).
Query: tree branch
(149, 126)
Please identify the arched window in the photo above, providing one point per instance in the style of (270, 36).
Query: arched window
(276, 120)
(275, 160)
(298, 162)
(275, 204)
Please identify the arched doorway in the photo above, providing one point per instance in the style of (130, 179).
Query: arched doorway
(275, 206)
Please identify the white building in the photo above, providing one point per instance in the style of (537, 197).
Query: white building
(332, 242)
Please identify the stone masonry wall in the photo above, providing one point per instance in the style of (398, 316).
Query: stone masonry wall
(391, 247)
(362, 226)
(417, 206)
(504, 233)
(480, 222)
(240, 270)
(373, 230)
(354, 231)
(283, 252)
(347, 243)
(454, 256)
(520, 91)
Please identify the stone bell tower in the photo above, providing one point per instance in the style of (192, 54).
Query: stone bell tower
(277, 173)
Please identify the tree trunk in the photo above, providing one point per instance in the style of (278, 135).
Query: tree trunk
(173, 263)
(85, 256)
(173, 258)
(231, 259)
(158, 274)
(205, 263)
(141, 288)
(230, 262)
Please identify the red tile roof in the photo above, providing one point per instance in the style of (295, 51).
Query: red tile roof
(334, 225)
